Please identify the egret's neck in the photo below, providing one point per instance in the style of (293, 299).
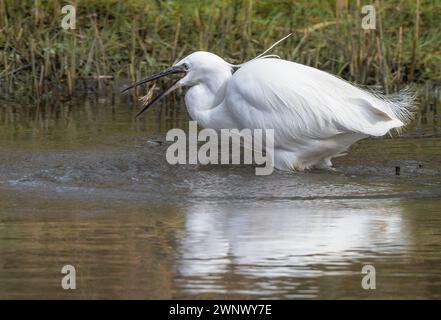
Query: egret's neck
(203, 98)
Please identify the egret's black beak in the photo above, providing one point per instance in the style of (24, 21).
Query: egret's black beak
(166, 72)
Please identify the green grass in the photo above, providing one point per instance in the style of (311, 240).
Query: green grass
(129, 39)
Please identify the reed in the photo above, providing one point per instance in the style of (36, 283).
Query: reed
(416, 36)
(128, 39)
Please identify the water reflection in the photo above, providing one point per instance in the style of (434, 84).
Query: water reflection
(285, 241)
(82, 123)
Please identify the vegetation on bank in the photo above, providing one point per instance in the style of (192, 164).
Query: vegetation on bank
(129, 39)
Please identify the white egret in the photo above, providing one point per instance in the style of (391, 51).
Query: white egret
(315, 115)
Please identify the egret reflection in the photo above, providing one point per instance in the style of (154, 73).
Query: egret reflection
(301, 240)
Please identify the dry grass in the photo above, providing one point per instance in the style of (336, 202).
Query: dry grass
(128, 39)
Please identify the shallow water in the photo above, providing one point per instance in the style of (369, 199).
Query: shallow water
(84, 183)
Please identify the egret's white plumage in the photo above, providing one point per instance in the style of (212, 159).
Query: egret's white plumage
(315, 116)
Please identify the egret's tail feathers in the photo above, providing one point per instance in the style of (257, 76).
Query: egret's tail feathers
(377, 113)
(402, 104)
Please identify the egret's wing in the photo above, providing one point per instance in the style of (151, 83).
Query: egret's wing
(303, 102)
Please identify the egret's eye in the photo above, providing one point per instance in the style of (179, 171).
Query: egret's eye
(185, 66)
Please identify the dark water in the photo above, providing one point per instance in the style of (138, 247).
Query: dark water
(84, 183)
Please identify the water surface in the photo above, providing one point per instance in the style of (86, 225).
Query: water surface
(84, 183)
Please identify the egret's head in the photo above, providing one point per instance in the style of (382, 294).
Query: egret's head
(198, 67)
(202, 67)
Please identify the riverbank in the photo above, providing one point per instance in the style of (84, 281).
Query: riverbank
(117, 40)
